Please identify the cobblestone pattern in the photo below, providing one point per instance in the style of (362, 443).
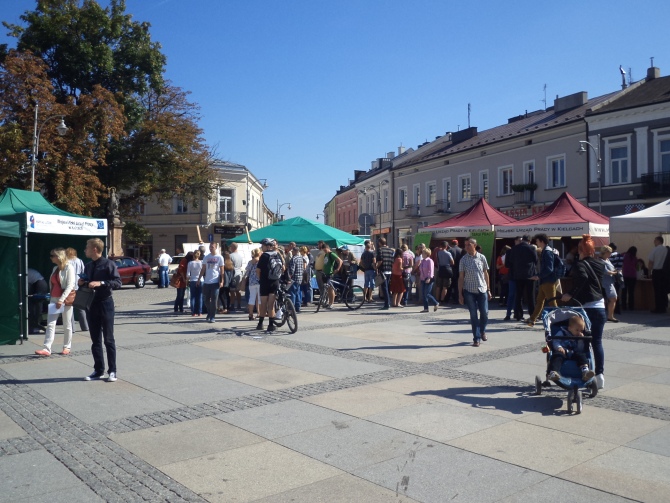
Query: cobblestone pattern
(110, 471)
(18, 445)
(246, 402)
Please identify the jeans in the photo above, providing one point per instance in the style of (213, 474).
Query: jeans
(196, 297)
(427, 289)
(477, 302)
(51, 328)
(597, 316)
(387, 294)
(210, 293)
(511, 297)
(163, 279)
(224, 298)
(628, 298)
(295, 295)
(369, 279)
(101, 328)
(179, 301)
(306, 290)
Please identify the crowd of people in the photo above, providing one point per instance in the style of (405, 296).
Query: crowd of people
(602, 282)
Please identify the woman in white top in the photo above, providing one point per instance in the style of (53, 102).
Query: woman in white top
(61, 283)
(195, 287)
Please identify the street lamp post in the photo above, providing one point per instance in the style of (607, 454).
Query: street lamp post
(280, 206)
(596, 151)
(379, 201)
(62, 130)
(324, 217)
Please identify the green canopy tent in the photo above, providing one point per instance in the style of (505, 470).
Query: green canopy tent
(30, 227)
(302, 231)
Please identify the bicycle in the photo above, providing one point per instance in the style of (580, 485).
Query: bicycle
(285, 304)
(352, 296)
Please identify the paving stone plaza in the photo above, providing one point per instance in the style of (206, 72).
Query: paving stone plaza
(357, 406)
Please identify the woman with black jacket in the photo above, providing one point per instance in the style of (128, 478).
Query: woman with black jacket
(587, 277)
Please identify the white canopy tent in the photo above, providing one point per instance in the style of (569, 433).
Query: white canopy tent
(640, 228)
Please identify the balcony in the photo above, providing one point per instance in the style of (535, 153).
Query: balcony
(231, 217)
(655, 185)
(413, 210)
(524, 197)
(442, 206)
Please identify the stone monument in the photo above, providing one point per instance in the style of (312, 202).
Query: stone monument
(115, 225)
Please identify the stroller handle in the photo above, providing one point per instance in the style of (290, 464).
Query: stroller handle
(586, 338)
(559, 297)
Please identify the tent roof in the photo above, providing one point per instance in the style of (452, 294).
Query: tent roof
(15, 201)
(302, 231)
(480, 216)
(564, 217)
(654, 219)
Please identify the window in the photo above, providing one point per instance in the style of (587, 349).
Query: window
(446, 187)
(386, 200)
(417, 194)
(484, 184)
(555, 172)
(182, 207)
(402, 198)
(506, 180)
(529, 172)
(431, 193)
(464, 188)
(664, 152)
(226, 205)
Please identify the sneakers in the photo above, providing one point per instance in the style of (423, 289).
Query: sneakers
(554, 376)
(424, 311)
(66, 351)
(507, 318)
(600, 381)
(93, 377)
(42, 352)
(211, 320)
(587, 374)
(112, 377)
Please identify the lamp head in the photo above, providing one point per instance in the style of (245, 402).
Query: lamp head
(289, 206)
(582, 148)
(62, 128)
(265, 185)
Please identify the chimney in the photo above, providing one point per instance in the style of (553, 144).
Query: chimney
(401, 150)
(389, 155)
(571, 101)
(653, 73)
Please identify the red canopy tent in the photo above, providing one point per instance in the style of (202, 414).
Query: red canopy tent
(481, 216)
(566, 217)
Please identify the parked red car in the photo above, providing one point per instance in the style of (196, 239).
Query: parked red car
(133, 271)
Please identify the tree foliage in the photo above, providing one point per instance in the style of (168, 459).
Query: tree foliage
(129, 129)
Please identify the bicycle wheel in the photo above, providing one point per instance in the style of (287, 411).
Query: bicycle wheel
(355, 297)
(290, 316)
(323, 299)
(281, 304)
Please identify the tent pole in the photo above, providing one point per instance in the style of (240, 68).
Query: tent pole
(23, 292)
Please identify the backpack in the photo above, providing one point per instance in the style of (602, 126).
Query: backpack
(276, 266)
(559, 267)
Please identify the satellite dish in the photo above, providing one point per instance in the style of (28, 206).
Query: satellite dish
(365, 219)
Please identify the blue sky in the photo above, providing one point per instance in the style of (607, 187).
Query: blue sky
(304, 92)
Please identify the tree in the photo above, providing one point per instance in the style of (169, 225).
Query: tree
(98, 62)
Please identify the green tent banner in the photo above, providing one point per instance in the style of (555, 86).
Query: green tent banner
(422, 238)
(485, 239)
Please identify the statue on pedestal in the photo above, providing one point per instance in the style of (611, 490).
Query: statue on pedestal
(113, 208)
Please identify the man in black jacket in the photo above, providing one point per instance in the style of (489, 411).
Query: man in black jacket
(521, 261)
(102, 275)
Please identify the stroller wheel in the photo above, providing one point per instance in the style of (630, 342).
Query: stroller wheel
(571, 398)
(594, 389)
(579, 401)
(538, 385)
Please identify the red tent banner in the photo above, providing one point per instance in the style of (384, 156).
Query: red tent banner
(481, 216)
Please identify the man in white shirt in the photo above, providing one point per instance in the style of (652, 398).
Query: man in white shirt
(163, 262)
(658, 279)
(212, 272)
(238, 264)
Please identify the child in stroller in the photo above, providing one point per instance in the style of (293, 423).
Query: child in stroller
(570, 349)
(569, 362)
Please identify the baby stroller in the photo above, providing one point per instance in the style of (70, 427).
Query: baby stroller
(553, 319)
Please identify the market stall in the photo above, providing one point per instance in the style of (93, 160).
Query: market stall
(30, 227)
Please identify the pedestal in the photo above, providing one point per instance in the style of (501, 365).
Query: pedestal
(115, 235)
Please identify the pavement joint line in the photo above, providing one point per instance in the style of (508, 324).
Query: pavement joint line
(109, 470)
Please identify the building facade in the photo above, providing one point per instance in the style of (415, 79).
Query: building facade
(236, 202)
